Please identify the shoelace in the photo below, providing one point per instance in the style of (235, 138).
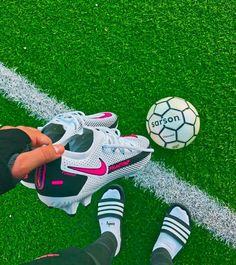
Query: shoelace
(79, 115)
(115, 141)
(75, 117)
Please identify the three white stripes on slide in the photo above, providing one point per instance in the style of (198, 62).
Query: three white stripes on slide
(111, 207)
(176, 228)
(205, 210)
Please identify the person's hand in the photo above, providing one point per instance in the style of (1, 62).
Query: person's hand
(43, 152)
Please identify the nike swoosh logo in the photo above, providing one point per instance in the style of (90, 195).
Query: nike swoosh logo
(100, 171)
(105, 115)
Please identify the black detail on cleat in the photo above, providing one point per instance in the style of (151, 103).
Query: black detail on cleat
(53, 182)
(114, 125)
(128, 162)
(54, 131)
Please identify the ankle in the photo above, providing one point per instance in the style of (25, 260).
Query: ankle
(161, 256)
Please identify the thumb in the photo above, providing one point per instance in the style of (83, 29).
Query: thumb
(28, 161)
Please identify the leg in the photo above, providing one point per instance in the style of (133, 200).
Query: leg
(102, 251)
(71, 256)
(110, 213)
(161, 256)
(174, 234)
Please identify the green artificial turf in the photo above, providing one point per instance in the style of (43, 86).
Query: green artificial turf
(122, 57)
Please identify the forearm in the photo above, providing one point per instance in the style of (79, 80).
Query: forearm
(12, 142)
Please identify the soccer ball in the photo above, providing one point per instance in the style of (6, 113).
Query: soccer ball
(173, 122)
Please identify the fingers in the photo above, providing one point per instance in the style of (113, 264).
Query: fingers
(28, 161)
(6, 127)
(37, 138)
(41, 139)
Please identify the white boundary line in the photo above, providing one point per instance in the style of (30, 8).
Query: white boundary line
(206, 211)
(20, 90)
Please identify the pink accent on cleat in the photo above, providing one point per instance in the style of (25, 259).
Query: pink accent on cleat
(100, 171)
(41, 175)
(105, 115)
(119, 165)
(57, 182)
(131, 135)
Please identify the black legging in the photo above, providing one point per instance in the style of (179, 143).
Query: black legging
(101, 252)
(161, 257)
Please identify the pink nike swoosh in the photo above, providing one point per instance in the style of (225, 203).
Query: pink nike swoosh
(105, 115)
(100, 171)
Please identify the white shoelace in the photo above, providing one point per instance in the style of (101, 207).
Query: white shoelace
(75, 117)
(79, 115)
(116, 142)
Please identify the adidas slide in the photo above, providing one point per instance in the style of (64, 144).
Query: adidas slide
(175, 227)
(110, 212)
(112, 207)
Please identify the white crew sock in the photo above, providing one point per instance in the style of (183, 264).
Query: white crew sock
(168, 242)
(111, 224)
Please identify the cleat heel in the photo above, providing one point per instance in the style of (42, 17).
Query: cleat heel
(86, 201)
(71, 209)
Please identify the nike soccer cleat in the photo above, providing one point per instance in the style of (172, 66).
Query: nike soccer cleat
(93, 158)
(65, 125)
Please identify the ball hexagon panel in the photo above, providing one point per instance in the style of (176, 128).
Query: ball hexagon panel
(175, 145)
(148, 126)
(193, 108)
(178, 103)
(190, 141)
(197, 126)
(185, 133)
(168, 135)
(161, 108)
(157, 139)
(189, 116)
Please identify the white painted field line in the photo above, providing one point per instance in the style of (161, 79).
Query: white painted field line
(206, 211)
(17, 88)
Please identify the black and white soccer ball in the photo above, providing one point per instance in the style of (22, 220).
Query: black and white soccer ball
(173, 122)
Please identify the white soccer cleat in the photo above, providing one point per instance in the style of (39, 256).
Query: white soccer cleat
(65, 125)
(94, 157)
